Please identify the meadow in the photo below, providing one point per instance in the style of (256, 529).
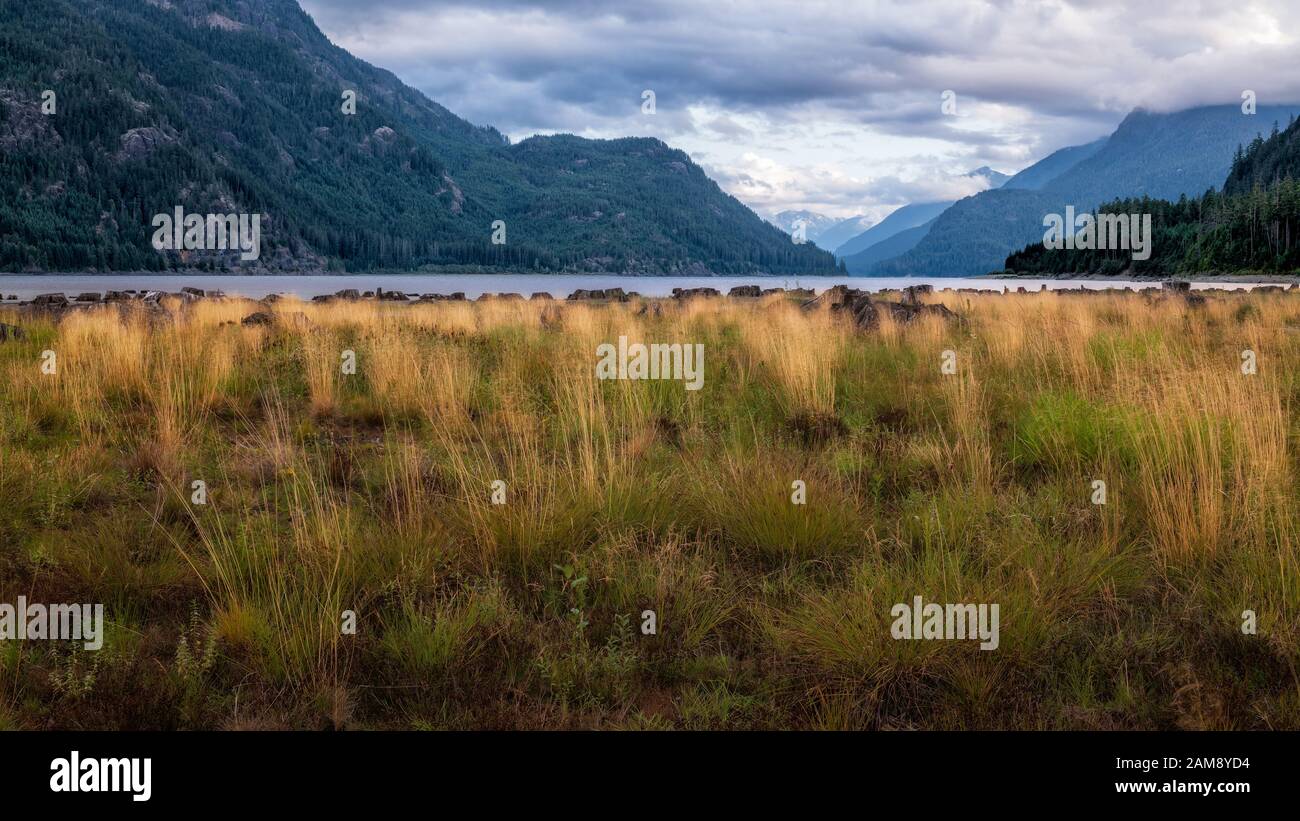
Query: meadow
(372, 494)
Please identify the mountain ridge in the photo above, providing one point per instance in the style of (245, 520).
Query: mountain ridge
(1252, 225)
(1155, 155)
(900, 219)
(905, 219)
(1040, 174)
(237, 105)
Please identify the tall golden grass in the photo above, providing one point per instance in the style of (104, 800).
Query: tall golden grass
(372, 492)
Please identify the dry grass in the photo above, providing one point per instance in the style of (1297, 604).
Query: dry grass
(373, 492)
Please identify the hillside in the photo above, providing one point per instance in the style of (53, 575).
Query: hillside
(975, 228)
(1253, 225)
(863, 261)
(1264, 163)
(843, 231)
(237, 106)
(1166, 155)
(908, 217)
(1037, 176)
(901, 219)
(1154, 155)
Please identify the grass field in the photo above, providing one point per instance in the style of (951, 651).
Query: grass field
(373, 493)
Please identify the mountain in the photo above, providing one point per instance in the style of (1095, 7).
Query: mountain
(906, 218)
(975, 228)
(996, 179)
(823, 231)
(1153, 155)
(1251, 226)
(237, 106)
(843, 231)
(901, 219)
(814, 224)
(863, 261)
(1265, 163)
(1038, 175)
(1167, 155)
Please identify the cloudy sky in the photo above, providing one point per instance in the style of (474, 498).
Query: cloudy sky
(834, 106)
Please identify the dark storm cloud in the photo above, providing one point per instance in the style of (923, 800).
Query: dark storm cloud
(1030, 77)
(1057, 58)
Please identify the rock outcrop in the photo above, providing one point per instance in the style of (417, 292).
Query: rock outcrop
(866, 312)
(613, 294)
(689, 293)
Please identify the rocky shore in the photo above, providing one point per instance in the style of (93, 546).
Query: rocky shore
(863, 307)
(60, 301)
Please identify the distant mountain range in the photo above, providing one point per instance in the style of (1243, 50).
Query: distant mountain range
(1150, 154)
(902, 219)
(813, 223)
(847, 237)
(902, 228)
(240, 106)
(823, 231)
(843, 231)
(888, 248)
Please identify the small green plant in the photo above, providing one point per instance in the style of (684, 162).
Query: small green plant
(196, 651)
(593, 677)
(73, 675)
(573, 591)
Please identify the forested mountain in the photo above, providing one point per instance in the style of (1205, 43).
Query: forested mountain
(1037, 176)
(1252, 225)
(863, 261)
(977, 228)
(1155, 155)
(1166, 155)
(901, 219)
(223, 106)
(1264, 163)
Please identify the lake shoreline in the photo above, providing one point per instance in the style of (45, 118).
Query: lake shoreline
(19, 287)
(1268, 279)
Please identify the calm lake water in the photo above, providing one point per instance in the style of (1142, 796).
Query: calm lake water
(26, 286)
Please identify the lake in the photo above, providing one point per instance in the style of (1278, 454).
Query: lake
(26, 286)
